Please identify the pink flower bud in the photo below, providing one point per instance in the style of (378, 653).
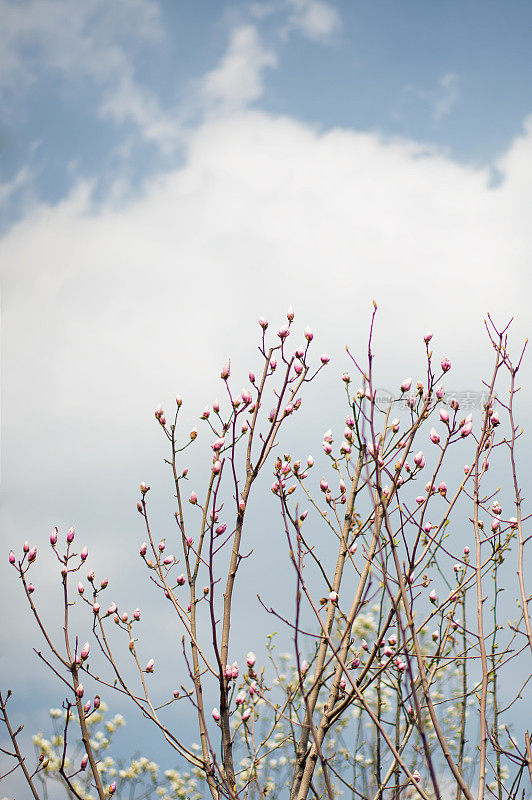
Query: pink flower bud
(495, 524)
(283, 333)
(346, 378)
(355, 663)
(53, 536)
(342, 684)
(263, 323)
(427, 527)
(85, 651)
(432, 596)
(70, 535)
(85, 759)
(26, 547)
(466, 429)
(31, 588)
(466, 550)
(445, 364)
(324, 485)
(250, 659)
(32, 555)
(444, 415)
(79, 690)
(150, 665)
(112, 788)
(96, 608)
(416, 776)
(143, 548)
(180, 580)
(206, 413)
(428, 336)
(290, 314)
(240, 698)
(434, 436)
(193, 498)
(310, 461)
(246, 715)
(189, 540)
(139, 508)
(406, 384)
(234, 671)
(162, 545)
(216, 715)
(97, 702)
(136, 614)
(84, 553)
(81, 588)
(12, 558)
(418, 459)
(104, 584)
(494, 419)
(309, 336)
(325, 358)
(442, 488)
(112, 609)
(168, 560)
(333, 597)
(440, 392)
(226, 370)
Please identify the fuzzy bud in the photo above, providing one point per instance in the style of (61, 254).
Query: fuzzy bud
(70, 535)
(150, 665)
(53, 537)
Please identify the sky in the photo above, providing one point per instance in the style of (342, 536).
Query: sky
(169, 171)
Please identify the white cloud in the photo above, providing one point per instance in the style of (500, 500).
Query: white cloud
(316, 19)
(237, 81)
(441, 99)
(448, 96)
(92, 39)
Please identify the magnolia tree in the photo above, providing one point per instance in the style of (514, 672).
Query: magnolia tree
(395, 686)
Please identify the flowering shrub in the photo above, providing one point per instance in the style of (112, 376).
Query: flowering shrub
(397, 564)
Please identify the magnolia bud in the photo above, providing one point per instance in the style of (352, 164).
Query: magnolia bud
(85, 651)
(406, 384)
(84, 760)
(53, 536)
(445, 364)
(226, 370)
(79, 690)
(150, 665)
(434, 436)
(216, 715)
(193, 499)
(70, 535)
(250, 659)
(136, 614)
(32, 555)
(308, 334)
(12, 558)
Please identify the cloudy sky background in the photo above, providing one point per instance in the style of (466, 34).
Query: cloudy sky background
(171, 170)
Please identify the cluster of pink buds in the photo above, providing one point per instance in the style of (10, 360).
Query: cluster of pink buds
(466, 426)
(419, 460)
(159, 415)
(231, 672)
